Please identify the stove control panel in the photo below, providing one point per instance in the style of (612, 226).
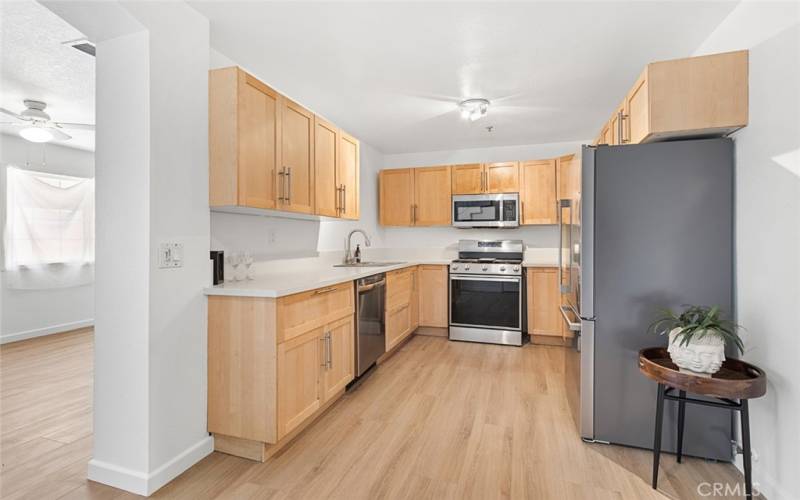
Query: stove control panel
(486, 269)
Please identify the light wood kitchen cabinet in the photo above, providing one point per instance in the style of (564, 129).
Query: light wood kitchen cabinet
(400, 286)
(479, 178)
(396, 197)
(348, 176)
(275, 364)
(538, 192)
(703, 96)
(298, 380)
(568, 174)
(326, 162)
(414, 299)
(337, 357)
(544, 299)
(467, 179)
(244, 125)
(433, 296)
(296, 173)
(502, 177)
(432, 196)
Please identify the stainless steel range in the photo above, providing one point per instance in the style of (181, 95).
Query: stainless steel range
(486, 292)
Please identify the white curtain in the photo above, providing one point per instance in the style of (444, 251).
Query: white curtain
(49, 231)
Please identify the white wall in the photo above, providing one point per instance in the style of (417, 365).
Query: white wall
(768, 229)
(30, 313)
(533, 236)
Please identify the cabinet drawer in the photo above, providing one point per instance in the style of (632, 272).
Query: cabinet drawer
(398, 325)
(399, 286)
(305, 311)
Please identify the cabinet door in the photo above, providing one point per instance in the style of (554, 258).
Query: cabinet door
(326, 156)
(337, 356)
(568, 173)
(605, 135)
(538, 192)
(258, 141)
(398, 325)
(414, 299)
(544, 317)
(396, 197)
(467, 179)
(299, 367)
(502, 177)
(296, 185)
(432, 196)
(638, 111)
(348, 176)
(433, 296)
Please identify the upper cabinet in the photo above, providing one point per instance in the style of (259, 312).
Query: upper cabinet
(568, 174)
(244, 126)
(477, 178)
(268, 152)
(415, 196)
(467, 179)
(537, 192)
(296, 175)
(502, 177)
(396, 197)
(347, 176)
(702, 96)
(432, 196)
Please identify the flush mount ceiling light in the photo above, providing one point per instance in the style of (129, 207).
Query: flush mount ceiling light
(473, 109)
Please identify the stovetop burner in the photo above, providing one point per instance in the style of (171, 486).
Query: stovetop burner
(488, 261)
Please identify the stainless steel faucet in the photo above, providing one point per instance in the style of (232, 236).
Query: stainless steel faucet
(348, 255)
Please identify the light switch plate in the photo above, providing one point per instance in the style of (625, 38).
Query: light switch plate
(170, 255)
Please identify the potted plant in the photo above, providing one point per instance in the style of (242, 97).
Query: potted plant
(697, 338)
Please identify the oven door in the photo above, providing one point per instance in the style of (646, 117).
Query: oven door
(486, 301)
(486, 210)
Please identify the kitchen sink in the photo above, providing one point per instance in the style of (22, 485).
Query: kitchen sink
(370, 264)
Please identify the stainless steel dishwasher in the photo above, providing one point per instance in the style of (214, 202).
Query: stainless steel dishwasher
(370, 322)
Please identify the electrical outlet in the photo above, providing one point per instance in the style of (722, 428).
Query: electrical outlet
(271, 236)
(170, 255)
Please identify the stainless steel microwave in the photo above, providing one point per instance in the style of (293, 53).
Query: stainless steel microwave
(486, 210)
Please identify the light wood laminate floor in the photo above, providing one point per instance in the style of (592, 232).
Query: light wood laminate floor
(439, 419)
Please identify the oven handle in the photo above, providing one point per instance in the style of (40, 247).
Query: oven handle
(462, 277)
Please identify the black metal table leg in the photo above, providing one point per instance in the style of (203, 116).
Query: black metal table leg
(748, 474)
(657, 437)
(681, 419)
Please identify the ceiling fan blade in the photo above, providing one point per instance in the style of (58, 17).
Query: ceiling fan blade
(58, 135)
(11, 113)
(75, 126)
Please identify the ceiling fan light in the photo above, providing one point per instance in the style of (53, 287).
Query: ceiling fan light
(36, 134)
(474, 109)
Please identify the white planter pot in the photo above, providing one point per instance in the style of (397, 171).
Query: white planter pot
(700, 356)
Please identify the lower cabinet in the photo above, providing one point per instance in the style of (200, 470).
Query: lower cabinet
(433, 295)
(271, 370)
(299, 394)
(544, 301)
(400, 307)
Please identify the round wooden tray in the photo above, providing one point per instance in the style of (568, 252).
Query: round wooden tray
(736, 379)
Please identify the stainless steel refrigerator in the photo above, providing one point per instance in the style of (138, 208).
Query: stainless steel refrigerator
(653, 228)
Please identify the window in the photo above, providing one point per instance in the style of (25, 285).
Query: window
(49, 219)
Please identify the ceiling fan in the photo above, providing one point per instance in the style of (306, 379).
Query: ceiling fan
(36, 125)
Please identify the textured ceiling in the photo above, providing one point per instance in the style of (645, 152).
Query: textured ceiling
(392, 73)
(35, 65)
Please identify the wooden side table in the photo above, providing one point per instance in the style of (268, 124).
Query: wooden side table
(732, 386)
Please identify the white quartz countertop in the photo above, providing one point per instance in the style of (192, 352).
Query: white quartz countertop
(290, 276)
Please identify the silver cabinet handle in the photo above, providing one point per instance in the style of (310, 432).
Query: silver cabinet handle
(325, 290)
(324, 341)
(329, 359)
(344, 198)
(621, 117)
(289, 185)
(338, 202)
(281, 183)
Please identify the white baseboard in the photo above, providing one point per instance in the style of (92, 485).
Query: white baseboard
(49, 330)
(147, 484)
